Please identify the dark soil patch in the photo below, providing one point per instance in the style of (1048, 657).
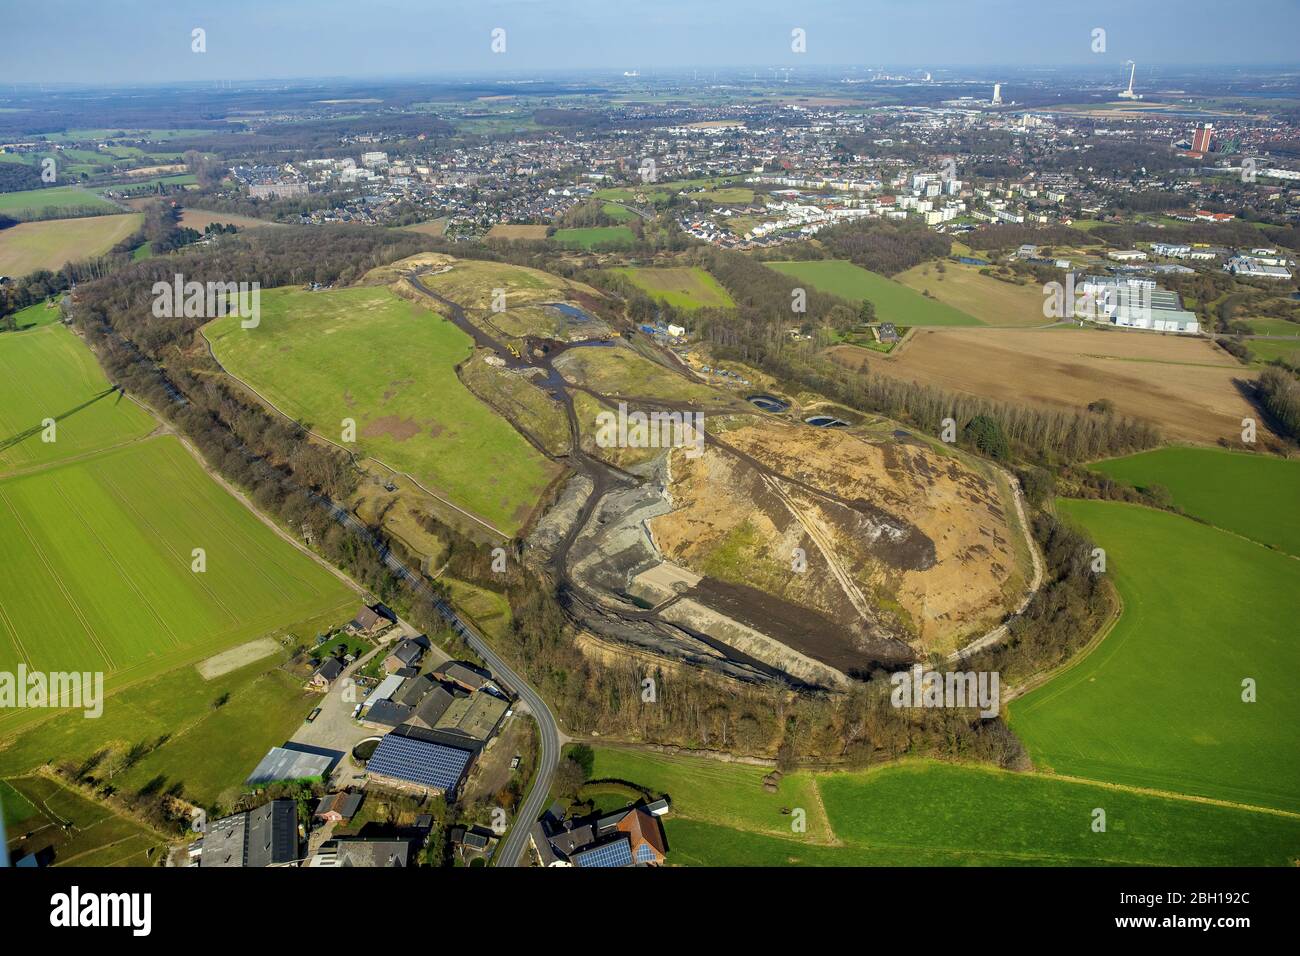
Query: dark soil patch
(394, 426)
(801, 628)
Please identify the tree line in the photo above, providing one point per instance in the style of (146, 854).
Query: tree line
(757, 333)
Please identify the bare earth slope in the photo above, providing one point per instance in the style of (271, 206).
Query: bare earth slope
(906, 550)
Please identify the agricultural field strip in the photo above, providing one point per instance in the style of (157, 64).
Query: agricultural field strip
(246, 543)
(13, 635)
(146, 523)
(112, 558)
(58, 581)
(180, 655)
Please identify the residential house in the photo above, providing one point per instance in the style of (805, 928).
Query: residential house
(338, 807)
(629, 837)
(407, 653)
(325, 676)
(372, 620)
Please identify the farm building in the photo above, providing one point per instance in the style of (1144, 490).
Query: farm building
(266, 836)
(466, 676)
(410, 758)
(282, 763)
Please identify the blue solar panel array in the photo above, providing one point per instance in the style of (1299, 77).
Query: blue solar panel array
(419, 761)
(618, 853)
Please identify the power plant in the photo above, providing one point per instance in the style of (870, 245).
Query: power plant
(1129, 94)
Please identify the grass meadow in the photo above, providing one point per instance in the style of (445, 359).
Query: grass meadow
(29, 246)
(683, 287)
(36, 203)
(35, 316)
(81, 831)
(595, 236)
(894, 301)
(1159, 704)
(926, 813)
(390, 366)
(1254, 495)
(989, 300)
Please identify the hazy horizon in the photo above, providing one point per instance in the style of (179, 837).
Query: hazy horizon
(136, 42)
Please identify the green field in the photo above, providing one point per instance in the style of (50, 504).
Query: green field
(47, 373)
(594, 236)
(1266, 350)
(390, 366)
(727, 195)
(726, 794)
(616, 212)
(182, 740)
(682, 287)
(894, 301)
(1253, 495)
(954, 814)
(95, 568)
(81, 831)
(1158, 703)
(34, 316)
(136, 186)
(34, 203)
(49, 244)
(97, 530)
(14, 806)
(1273, 326)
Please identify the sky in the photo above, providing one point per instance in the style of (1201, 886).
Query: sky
(151, 41)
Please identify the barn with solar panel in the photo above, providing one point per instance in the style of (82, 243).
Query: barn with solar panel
(420, 761)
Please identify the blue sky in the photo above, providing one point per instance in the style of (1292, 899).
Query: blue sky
(131, 41)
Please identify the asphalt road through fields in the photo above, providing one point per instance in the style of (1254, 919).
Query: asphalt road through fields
(511, 848)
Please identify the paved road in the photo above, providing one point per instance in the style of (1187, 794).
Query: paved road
(511, 848)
